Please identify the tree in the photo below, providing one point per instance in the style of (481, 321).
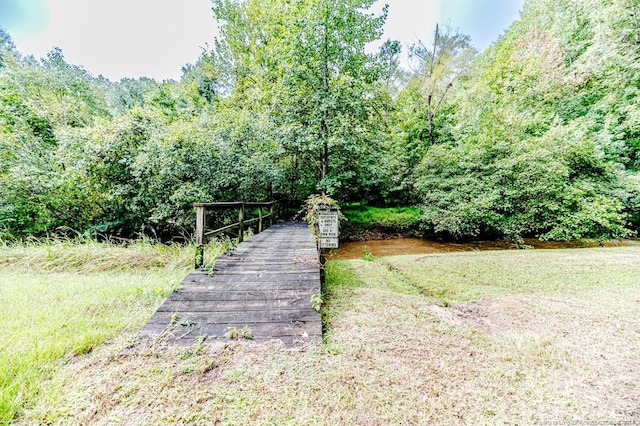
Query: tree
(8, 52)
(392, 74)
(538, 126)
(336, 75)
(438, 67)
(41, 104)
(304, 63)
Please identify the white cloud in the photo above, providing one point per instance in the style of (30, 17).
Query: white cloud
(126, 38)
(409, 21)
(155, 38)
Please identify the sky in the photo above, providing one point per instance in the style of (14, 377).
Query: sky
(156, 38)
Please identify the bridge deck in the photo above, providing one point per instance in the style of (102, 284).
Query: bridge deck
(264, 287)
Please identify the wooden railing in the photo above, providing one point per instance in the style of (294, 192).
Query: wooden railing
(201, 220)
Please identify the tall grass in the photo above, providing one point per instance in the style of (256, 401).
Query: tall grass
(59, 299)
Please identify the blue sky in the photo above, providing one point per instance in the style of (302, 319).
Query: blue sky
(155, 38)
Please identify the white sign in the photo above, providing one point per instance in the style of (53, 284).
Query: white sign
(330, 243)
(328, 224)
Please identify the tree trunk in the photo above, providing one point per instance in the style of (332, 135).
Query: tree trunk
(294, 177)
(430, 110)
(324, 126)
(432, 136)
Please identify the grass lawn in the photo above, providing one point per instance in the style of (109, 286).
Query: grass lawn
(367, 221)
(60, 300)
(511, 337)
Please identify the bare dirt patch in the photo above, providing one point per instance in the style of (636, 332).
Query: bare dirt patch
(491, 315)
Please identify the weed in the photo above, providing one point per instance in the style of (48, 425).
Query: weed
(368, 256)
(235, 333)
(316, 302)
(196, 349)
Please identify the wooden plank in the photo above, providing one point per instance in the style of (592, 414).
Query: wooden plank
(215, 286)
(262, 240)
(257, 277)
(264, 270)
(219, 205)
(199, 304)
(295, 262)
(201, 218)
(255, 294)
(292, 256)
(250, 262)
(265, 266)
(255, 255)
(263, 257)
(221, 230)
(247, 318)
(289, 333)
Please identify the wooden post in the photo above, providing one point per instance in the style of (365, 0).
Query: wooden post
(241, 224)
(259, 220)
(271, 215)
(323, 260)
(201, 217)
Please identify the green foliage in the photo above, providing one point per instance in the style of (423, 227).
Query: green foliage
(314, 204)
(368, 256)
(439, 66)
(538, 146)
(235, 333)
(554, 191)
(391, 217)
(40, 105)
(316, 302)
(537, 136)
(303, 67)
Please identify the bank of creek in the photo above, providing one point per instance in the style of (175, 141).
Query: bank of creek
(400, 246)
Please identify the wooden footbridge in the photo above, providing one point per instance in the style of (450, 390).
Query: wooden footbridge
(265, 289)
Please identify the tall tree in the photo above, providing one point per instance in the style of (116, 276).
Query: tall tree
(304, 63)
(437, 67)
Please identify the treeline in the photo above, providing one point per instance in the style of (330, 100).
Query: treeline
(537, 136)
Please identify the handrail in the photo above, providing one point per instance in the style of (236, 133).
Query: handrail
(201, 220)
(231, 204)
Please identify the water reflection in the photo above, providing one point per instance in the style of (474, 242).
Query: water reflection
(399, 246)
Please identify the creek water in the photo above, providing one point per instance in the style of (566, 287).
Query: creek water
(400, 246)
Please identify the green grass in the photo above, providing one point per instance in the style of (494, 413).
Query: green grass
(463, 277)
(361, 218)
(61, 299)
(501, 337)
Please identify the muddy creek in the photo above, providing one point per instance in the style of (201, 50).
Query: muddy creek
(400, 246)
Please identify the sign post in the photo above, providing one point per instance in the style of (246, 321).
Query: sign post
(328, 233)
(328, 228)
